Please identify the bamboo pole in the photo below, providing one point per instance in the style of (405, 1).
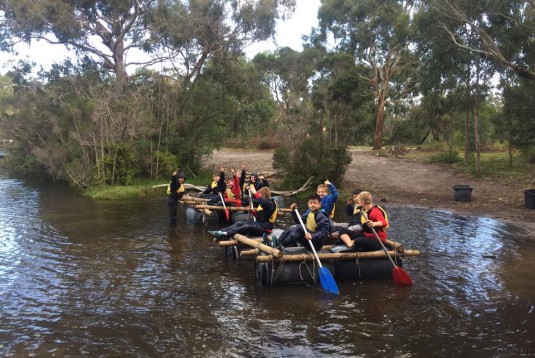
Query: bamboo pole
(259, 245)
(397, 246)
(254, 252)
(226, 243)
(233, 208)
(339, 256)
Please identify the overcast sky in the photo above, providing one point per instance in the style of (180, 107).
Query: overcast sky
(289, 34)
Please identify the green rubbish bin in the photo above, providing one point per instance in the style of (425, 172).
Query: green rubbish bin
(462, 192)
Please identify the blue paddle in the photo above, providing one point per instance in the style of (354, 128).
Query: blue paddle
(326, 278)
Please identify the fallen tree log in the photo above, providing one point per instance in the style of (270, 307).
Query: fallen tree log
(294, 192)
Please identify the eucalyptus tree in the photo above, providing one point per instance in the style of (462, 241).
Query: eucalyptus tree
(378, 35)
(103, 30)
(178, 36)
(343, 96)
(516, 123)
(505, 30)
(504, 33)
(243, 100)
(456, 48)
(182, 34)
(287, 74)
(185, 34)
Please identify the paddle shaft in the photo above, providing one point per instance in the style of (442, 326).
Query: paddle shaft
(251, 205)
(309, 241)
(224, 206)
(379, 239)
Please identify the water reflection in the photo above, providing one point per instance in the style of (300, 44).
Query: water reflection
(83, 277)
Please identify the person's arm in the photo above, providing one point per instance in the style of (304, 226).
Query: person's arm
(294, 215)
(243, 187)
(264, 181)
(174, 183)
(323, 226)
(376, 219)
(332, 190)
(236, 187)
(208, 189)
(350, 207)
(221, 184)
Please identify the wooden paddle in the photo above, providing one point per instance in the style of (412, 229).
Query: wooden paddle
(399, 275)
(227, 216)
(326, 278)
(251, 206)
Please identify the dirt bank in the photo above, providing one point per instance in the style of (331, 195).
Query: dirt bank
(399, 181)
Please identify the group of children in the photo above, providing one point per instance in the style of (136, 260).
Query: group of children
(369, 221)
(233, 190)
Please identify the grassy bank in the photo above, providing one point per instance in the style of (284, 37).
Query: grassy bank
(142, 188)
(494, 163)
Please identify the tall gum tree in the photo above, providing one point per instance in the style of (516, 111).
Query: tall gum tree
(181, 34)
(378, 35)
(505, 30)
(185, 34)
(104, 30)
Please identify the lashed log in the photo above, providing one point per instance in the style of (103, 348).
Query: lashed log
(254, 252)
(232, 208)
(227, 243)
(338, 256)
(259, 245)
(397, 246)
(194, 198)
(273, 192)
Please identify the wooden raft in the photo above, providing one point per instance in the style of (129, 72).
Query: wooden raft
(276, 254)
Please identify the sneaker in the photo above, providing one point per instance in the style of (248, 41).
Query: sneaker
(218, 235)
(275, 242)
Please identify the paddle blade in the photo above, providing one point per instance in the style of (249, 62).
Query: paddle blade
(327, 281)
(227, 215)
(401, 277)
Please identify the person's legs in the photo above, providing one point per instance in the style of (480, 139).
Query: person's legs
(172, 204)
(347, 240)
(367, 244)
(318, 244)
(223, 233)
(348, 237)
(285, 239)
(233, 229)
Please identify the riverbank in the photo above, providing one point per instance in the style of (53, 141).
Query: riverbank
(401, 181)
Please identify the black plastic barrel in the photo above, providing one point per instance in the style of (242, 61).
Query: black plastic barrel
(529, 197)
(462, 192)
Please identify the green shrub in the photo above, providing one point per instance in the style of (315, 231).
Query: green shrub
(299, 164)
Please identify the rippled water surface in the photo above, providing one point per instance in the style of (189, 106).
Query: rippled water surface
(92, 278)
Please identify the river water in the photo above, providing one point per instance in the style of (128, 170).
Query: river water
(94, 278)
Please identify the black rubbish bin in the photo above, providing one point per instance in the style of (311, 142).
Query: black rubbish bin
(462, 192)
(529, 196)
